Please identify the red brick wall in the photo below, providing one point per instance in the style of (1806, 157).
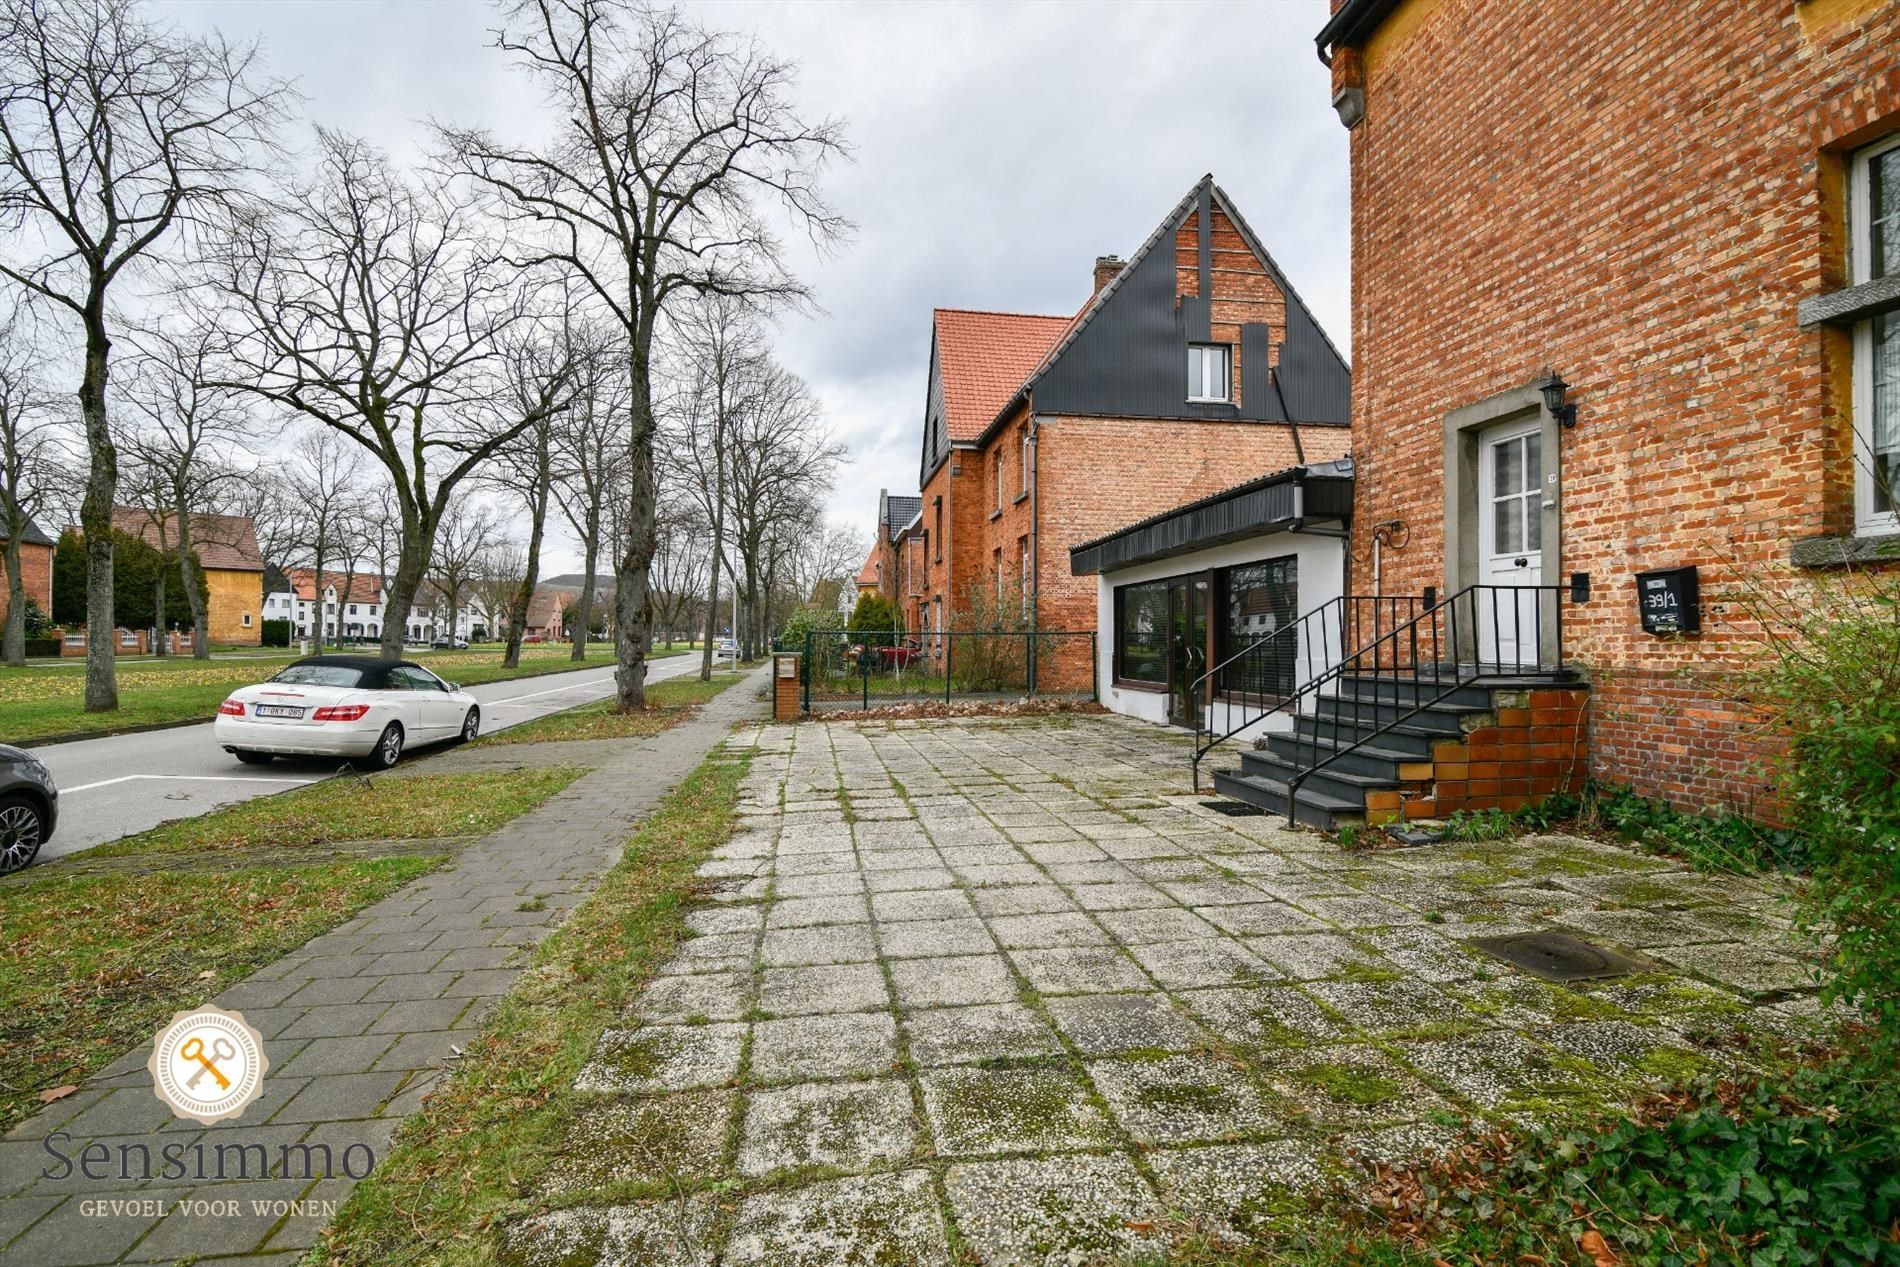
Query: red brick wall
(1636, 195)
(36, 572)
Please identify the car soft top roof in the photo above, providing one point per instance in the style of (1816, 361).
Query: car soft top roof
(375, 669)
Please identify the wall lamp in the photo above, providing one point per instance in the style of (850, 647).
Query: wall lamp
(1554, 388)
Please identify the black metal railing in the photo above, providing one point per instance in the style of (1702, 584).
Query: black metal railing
(1409, 654)
(841, 669)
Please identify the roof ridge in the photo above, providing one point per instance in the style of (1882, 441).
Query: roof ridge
(999, 312)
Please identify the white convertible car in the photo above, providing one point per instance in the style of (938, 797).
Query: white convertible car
(345, 706)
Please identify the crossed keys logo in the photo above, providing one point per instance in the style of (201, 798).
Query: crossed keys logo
(208, 1064)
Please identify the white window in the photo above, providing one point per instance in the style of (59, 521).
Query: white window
(1874, 248)
(1023, 481)
(1025, 547)
(247, 620)
(999, 477)
(1208, 377)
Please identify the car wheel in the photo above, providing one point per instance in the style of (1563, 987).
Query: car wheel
(253, 758)
(388, 748)
(471, 726)
(22, 829)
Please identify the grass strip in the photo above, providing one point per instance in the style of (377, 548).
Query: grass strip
(47, 701)
(668, 704)
(461, 1165)
(356, 807)
(93, 964)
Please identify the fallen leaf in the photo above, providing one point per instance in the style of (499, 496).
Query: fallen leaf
(1139, 1225)
(57, 1093)
(1593, 1244)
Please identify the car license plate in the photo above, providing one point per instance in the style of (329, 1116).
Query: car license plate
(277, 710)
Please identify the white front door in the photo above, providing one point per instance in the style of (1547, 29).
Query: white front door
(1510, 528)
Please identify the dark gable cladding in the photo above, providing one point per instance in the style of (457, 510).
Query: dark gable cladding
(901, 510)
(1271, 503)
(1126, 356)
(936, 424)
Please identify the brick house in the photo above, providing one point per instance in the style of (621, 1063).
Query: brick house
(36, 570)
(880, 573)
(227, 551)
(1191, 366)
(1625, 281)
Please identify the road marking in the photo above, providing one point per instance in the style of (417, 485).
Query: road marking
(194, 778)
(571, 686)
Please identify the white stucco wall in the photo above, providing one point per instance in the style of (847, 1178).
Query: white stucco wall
(1321, 578)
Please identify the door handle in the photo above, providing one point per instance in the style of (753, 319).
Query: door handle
(1521, 562)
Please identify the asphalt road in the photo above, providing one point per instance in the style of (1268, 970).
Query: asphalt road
(113, 787)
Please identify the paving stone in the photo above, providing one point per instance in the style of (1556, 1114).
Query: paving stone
(1193, 965)
(336, 1096)
(1009, 1110)
(668, 1139)
(856, 987)
(968, 1035)
(909, 878)
(726, 919)
(1615, 1046)
(663, 1058)
(821, 884)
(666, 1233)
(1263, 917)
(1385, 1006)
(1057, 1211)
(1268, 1015)
(1749, 969)
(850, 1125)
(1060, 928)
(1102, 1024)
(1178, 1099)
(1128, 896)
(62, 1239)
(850, 1045)
(1081, 970)
(1024, 899)
(1314, 956)
(858, 1221)
(931, 904)
(941, 982)
(1347, 1085)
(1240, 1192)
(922, 938)
(336, 1055)
(715, 996)
(1166, 923)
(806, 912)
(1488, 1069)
(831, 944)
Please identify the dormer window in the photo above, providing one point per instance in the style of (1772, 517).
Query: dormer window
(1209, 377)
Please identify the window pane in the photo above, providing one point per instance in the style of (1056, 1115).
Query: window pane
(1262, 600)
(1508, 467)
(1883, 202)
(1533, 461)
(1507, 526)
(1141, 638)
(1194, 371)
(1217, 358)
(1533, 523)
(1885, 430)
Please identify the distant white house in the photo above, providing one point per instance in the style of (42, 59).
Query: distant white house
(352, 607)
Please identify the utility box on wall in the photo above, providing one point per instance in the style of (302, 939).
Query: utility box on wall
(1669, 600)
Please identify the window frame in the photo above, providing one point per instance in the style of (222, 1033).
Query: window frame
(1197, 368)
(1867, 520)
(1022, 483)
(996, 466)
(1117, 651)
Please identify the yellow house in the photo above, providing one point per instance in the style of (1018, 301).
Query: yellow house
(226, 546)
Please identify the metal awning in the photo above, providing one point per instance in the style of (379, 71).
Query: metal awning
(1281, 502)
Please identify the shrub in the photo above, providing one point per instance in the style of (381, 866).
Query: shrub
(1831, 678)
(876, 621)
(39, 625)
(801, 623)
(276, 633)
(42, 646)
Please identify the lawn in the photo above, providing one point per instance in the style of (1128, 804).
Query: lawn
(462, 1163)
(46, 701)
(92, 962)
(668, 704)
(355, 807)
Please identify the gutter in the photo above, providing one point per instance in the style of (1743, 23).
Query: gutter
(1351, 24)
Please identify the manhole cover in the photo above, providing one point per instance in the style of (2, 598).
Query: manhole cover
(1234, 809)
(1557, 956)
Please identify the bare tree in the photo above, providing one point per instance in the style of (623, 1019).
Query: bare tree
(321, 518)
(32, 465)
(113, 132)
(468, 534)
(374, 307)
(538, 374)
(679, 565)
(590, 452)
(183, 447)
(669, 137)
(499, 574)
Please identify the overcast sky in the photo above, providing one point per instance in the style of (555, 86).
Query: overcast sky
(999, 148)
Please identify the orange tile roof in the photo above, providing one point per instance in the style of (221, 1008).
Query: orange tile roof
(867, 575)
(223, 542)
(983, 357)
(364, 588)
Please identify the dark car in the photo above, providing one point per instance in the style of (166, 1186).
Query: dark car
(29, 807)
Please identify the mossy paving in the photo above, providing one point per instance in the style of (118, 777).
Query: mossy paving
(1047, 1151)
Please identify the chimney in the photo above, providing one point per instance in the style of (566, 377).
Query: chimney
(1107, 269)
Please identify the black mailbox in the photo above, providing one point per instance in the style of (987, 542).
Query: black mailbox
(1669, 601)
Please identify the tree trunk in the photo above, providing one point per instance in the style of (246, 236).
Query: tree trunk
(712, 618)
(13, 644)
(159, 648)
(316, 623)
(95, 516)
(188, 575)
(585, 607)
(631, 599)
(412, 559)
(524, 594)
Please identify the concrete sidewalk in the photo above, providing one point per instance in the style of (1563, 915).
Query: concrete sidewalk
(358, 1025)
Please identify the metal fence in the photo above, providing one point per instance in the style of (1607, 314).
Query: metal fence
(845, 670)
